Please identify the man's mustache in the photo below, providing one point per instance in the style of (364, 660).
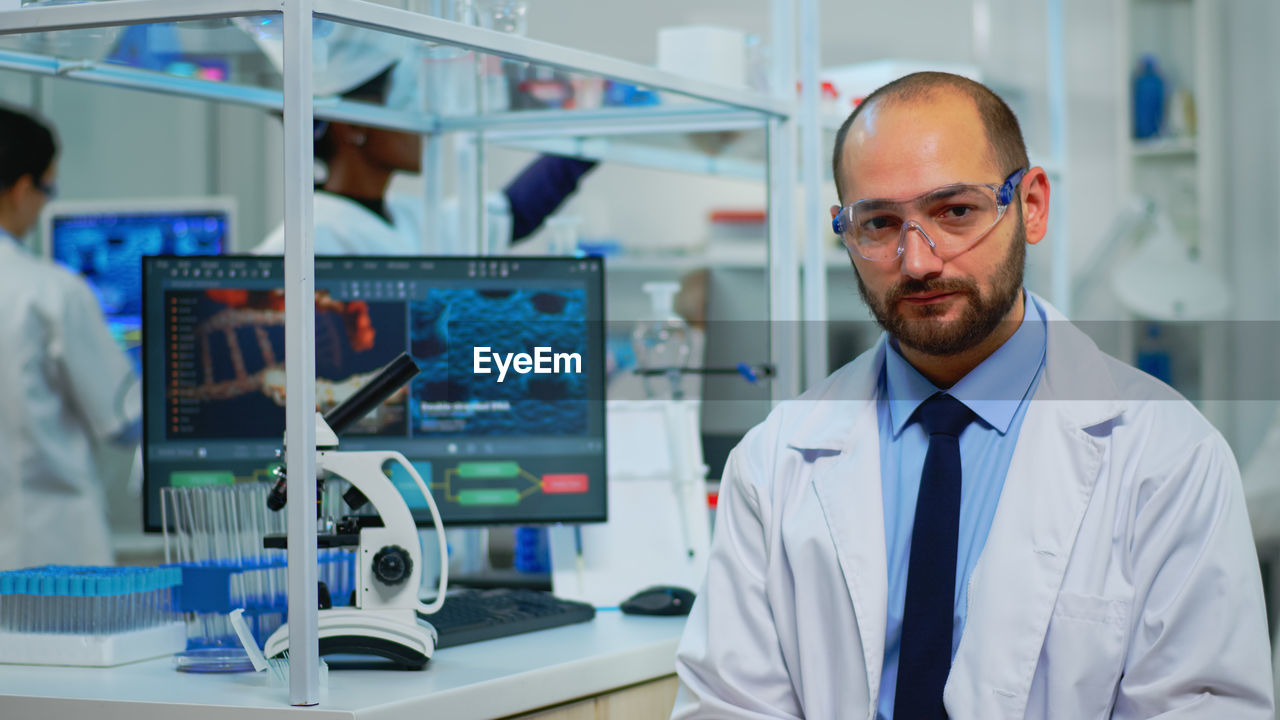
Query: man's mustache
(913, 286)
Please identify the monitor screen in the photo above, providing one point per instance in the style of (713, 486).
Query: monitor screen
(105, 242)
(505, 421)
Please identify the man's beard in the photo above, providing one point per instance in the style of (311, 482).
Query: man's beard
(980, 317)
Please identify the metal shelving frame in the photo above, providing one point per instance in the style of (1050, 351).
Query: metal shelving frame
(1202, 56)
(730, 109)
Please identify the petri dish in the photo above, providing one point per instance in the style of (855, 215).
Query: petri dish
(213, 660)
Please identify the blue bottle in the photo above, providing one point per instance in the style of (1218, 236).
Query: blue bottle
(1153, 357)
(532, 550)
(1148, 99)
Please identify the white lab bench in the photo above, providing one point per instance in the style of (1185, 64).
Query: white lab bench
(616, 666)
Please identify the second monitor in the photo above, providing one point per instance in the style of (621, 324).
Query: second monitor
(505, 420)
(104, 241)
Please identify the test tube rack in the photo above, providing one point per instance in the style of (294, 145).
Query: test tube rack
(215, 535)
(88, 616)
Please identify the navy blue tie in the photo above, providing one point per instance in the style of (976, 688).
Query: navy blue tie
(924, 657)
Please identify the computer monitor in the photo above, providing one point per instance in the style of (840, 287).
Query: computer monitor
(523, 443)
(105, 240)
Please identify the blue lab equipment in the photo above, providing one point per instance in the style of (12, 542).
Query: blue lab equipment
(1148, 99)
(212, 588)
(616, 93)
(532, 550)
(1153, 357)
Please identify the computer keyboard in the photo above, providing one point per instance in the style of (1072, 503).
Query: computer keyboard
(469, 615)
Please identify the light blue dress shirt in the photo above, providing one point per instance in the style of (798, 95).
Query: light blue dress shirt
(998, 391)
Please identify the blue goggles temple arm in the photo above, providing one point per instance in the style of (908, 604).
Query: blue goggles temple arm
(1004, 196)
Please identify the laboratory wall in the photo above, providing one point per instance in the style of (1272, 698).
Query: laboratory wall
(1253, 187)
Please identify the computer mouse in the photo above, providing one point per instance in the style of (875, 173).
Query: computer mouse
(659, 600)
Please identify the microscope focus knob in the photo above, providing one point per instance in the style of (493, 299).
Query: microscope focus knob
(392, 565)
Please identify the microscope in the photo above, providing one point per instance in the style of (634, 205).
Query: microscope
(383, 619)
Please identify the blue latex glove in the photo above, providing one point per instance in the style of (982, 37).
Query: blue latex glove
(540, 189)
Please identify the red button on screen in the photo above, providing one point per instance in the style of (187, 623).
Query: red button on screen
(564, 483)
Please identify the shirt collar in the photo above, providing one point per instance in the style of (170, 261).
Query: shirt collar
(993, 390)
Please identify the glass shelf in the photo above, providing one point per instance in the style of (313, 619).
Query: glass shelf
(233, 42)
(447, 77)
(1164, 147)
(739, 255)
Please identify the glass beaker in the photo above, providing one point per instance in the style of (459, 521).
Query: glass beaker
(500, 77)
(664, 341)
(508, 16)
(563, 233)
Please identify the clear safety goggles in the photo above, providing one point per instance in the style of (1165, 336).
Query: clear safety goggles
(952, 219)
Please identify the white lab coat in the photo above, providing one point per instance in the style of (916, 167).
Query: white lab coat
(345, 227)
(64, 386)
(1262, 494)
(1262, 488)
(1119, 578)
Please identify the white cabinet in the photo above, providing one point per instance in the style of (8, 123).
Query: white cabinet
(1180, 170)
(1179, 167)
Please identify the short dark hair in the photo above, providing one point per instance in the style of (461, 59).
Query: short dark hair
(1001, 125)
(27, 146)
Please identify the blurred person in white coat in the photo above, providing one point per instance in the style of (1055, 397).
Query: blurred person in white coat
(65, 385)
(983, 516)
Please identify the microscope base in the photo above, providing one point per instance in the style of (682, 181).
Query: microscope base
(366, 632)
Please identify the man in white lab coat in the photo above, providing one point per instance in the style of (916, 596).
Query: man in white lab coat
(983, 516)
(64, 383)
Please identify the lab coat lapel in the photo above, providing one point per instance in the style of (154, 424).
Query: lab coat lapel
(848, 489)
(344, 226)
(1051, 478)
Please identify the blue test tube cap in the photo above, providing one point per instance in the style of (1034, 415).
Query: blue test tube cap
(62, 584)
